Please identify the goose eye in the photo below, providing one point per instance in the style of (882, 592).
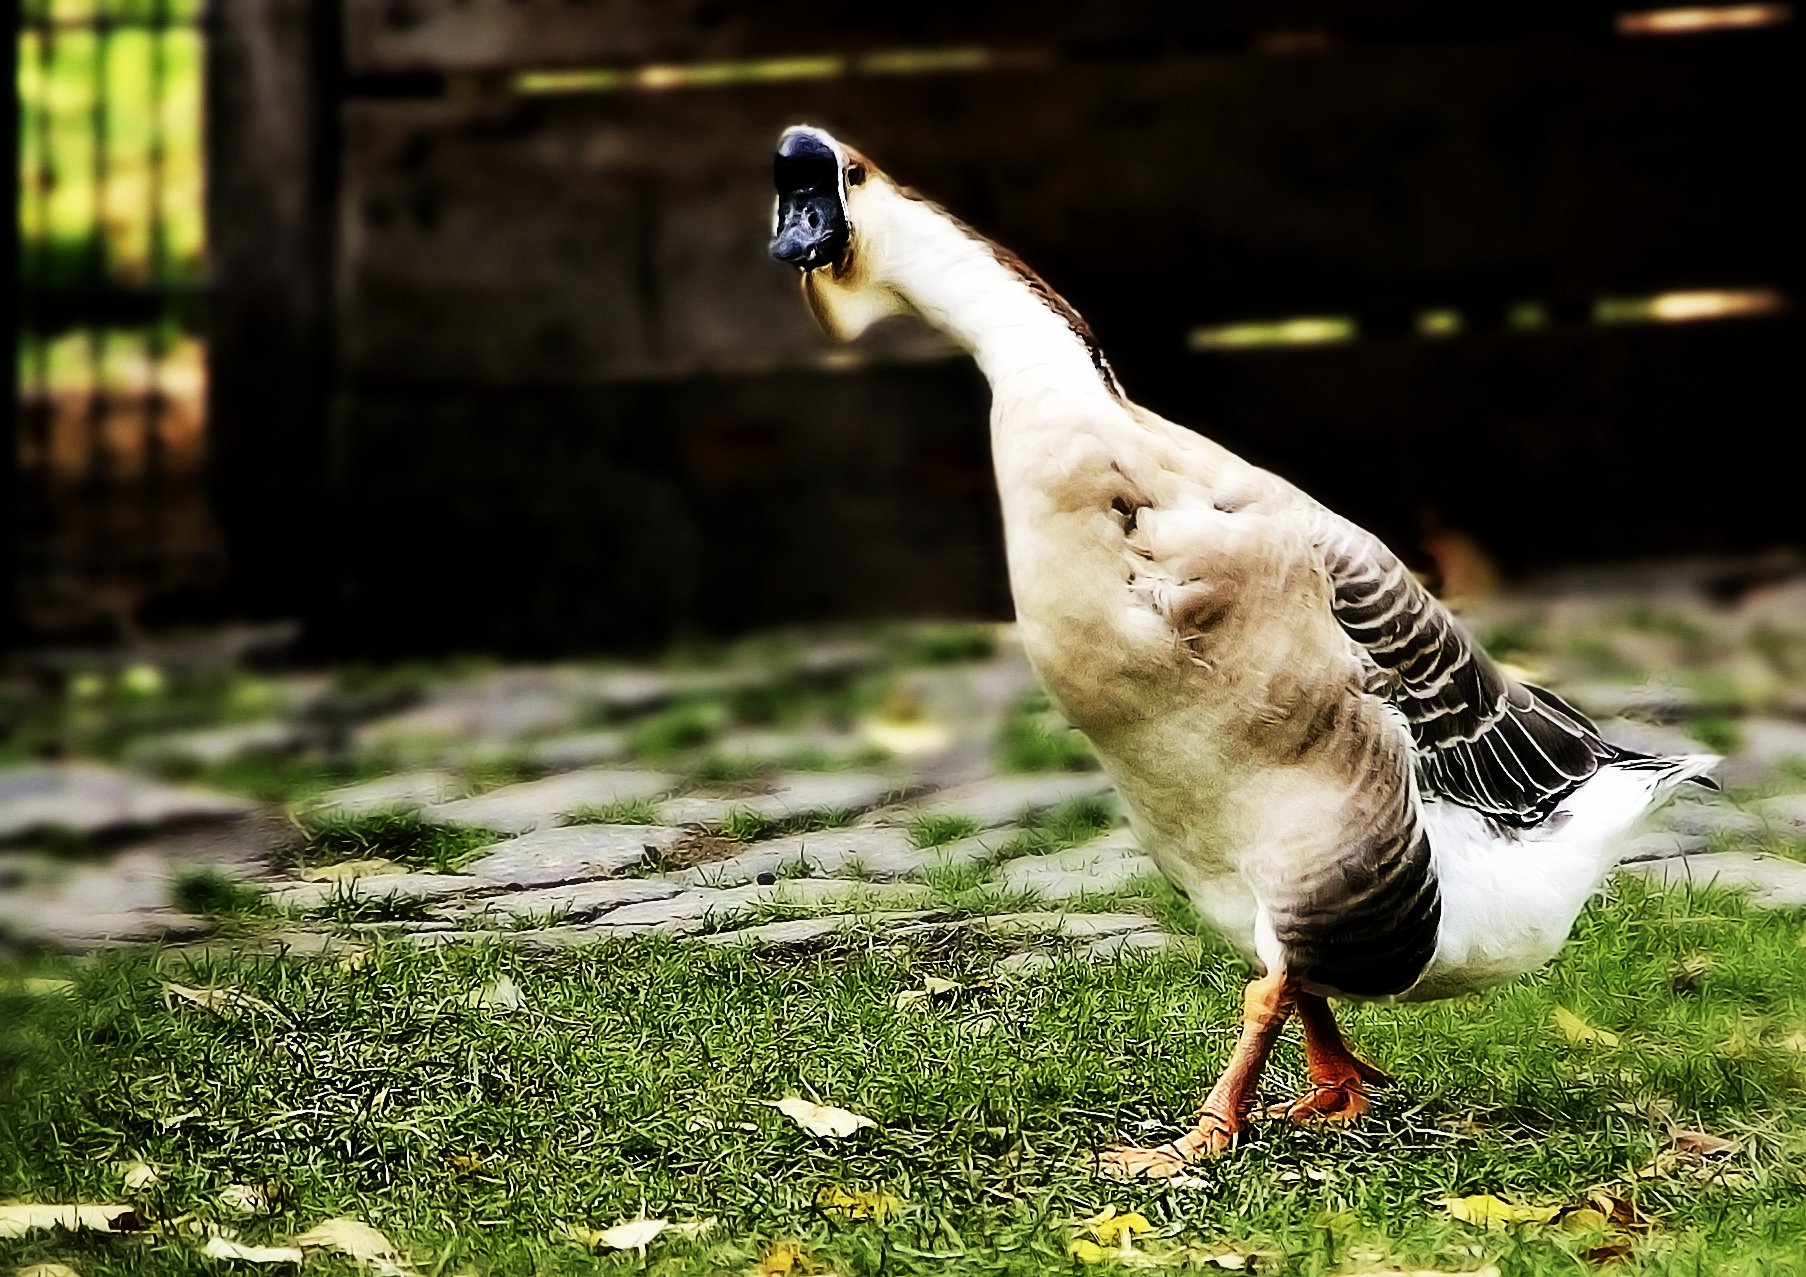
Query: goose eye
(855, 173)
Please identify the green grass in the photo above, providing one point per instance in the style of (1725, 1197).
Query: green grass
(329, 838)
(1028, 742)
(750, 826)
(213, 894)
(628, 811)
(936, 829)
(638, 1075)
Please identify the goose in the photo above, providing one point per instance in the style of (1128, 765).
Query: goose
(1307, 743)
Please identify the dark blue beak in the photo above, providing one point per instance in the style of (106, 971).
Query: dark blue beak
(812, 229)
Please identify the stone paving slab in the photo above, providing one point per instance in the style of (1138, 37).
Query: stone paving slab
(779, 746)
(515, 809)
(1106, 865)
(92, 799)
(699, 905)
(1003, 800)
(213, 745)
(793, 796)
(1660, 844)
(1704, 819)
(79, 929)
(401, 886)
(580, 749)
(403, 792)
(1658, 739)
(1767, 748)
(577, 900)
(878, 851)
(1772, 882)
(1785, 814)
(571, 853)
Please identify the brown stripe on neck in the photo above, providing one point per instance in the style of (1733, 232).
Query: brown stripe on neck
(1036, 285)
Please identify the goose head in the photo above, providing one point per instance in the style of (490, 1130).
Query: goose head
(833, 208)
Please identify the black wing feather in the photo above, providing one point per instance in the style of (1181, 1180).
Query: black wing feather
(1483, 740)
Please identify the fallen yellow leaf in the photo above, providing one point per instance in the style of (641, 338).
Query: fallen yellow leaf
(1112, 1228)
(46, 1270)
(865, 1204)
(1495, 1212)
(1087, 1251)
(217, 1247)
(21, 1218)
(783, 1259)
(822, 1120)
(356, 1240)
(1581, 1033)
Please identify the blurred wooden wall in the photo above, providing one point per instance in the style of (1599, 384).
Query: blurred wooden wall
(573, 402)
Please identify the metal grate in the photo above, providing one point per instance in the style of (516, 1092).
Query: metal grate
(111, 362)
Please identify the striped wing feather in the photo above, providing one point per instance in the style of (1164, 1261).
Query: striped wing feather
(1483, 740)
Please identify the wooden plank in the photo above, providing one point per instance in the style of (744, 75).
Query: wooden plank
(387, 36)
(580, 238)
(722, 505)
(270, 119)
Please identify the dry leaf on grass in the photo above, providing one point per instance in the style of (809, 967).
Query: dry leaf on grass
(46, 1270)
(932, 987)
(1112, 1227)
(1579, 1032)
(1495, 1212)
(1703, 1145)
(218, 1247)
(783, 1259)
(218, 1000)
(824, 1121)
(501, 996)
(253, 1199)
(1617, 1211)
(356, 1240)
(841, 1203)
(346, 870)
(632, 1234)
(20, 1218)
(1609, 1251)
(137, 1176)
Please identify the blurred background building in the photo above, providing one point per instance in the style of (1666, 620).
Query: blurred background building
(448, 323)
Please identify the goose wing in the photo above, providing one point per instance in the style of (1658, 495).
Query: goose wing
(1484, 740)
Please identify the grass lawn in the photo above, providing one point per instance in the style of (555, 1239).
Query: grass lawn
(637, 1077)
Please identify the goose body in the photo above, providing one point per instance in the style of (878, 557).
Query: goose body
(1307, 743)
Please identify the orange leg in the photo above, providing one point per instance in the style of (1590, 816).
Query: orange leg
(1339, 1078)
(1224, 1113)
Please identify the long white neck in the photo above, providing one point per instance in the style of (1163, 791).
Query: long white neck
(1022, 342)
